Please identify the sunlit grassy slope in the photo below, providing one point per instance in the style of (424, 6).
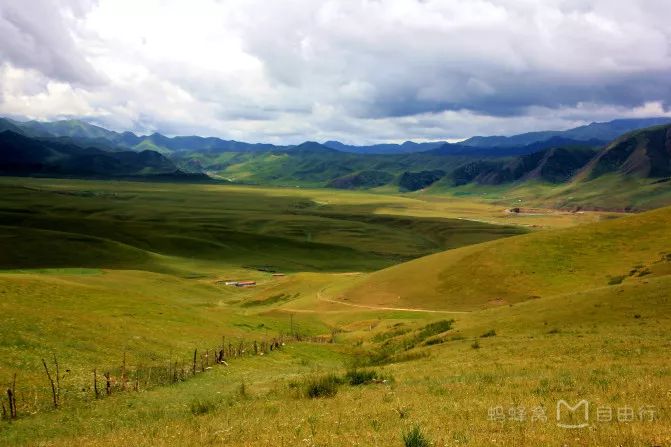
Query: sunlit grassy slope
(606, 345)
(521, 268)
(95, 271)
(608, 192)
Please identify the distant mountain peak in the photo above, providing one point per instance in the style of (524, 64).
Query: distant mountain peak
(606, 131)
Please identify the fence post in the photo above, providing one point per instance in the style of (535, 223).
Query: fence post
(123, 371)
(58, 381)
(12, 403)
(53, 386)
(108, 384)
(95, 383)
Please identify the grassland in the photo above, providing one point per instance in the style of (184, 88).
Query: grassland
(504, 272)
(157, 226)
(615, 192)
(571, 306)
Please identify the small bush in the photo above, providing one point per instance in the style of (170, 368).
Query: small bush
(554, 331)
(324, 386)
(361, 376)
(199, 407)
(489, 333)
(637, 316)
(434, 341)
(475, 345)
(435, 328)
(415, 438)
(384, 336)
(615, 280)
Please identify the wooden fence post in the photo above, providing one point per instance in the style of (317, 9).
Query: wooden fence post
(123, 371)
(12, 403)
(58, 381)
(95, 383)
(108, 384)
(53, 386)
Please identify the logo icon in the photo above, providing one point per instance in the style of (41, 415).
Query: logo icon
(572, 416)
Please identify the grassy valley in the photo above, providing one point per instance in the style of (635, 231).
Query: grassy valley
(130, 278)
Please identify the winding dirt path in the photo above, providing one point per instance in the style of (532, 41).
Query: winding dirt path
(404, 309)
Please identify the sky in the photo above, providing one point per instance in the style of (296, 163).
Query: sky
(287, 71)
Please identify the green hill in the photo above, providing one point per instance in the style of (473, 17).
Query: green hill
(524, 267)
(645, 153)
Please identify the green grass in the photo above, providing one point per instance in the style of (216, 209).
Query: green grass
(614, 192)
(137, 268)
(122, 274)
(520, 268)
(166, 228)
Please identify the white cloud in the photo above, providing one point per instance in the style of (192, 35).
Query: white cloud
(354, 70)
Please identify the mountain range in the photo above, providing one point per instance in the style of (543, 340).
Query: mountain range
(89, 134)
(595, 131)
(628, 148)
(25, 156)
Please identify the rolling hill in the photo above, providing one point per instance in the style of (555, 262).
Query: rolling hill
(645, 153)
(525, 267)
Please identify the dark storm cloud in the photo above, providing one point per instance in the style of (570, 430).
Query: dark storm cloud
(497, 58)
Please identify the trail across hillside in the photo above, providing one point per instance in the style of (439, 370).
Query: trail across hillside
(404, 309)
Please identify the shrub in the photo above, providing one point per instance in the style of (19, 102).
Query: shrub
(489, 333)
(437, 327)
(475, 345)
(615, 280)
(199, 407)
(415, 438)
(434, 341)
(384, 336)
(324, 386)
(361, 376)
(553, 331)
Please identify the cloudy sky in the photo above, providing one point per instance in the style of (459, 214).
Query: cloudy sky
(359, 71)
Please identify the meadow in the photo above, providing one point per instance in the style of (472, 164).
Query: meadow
(404, 319)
